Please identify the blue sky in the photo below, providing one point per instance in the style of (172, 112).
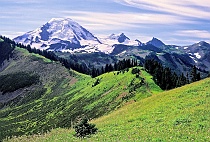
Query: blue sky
(179, 22)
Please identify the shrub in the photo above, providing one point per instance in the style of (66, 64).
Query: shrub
(83, 128)
(135, 71)
(96, 82)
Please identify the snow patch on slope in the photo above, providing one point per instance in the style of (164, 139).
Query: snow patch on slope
(193, 57)
(197, 55)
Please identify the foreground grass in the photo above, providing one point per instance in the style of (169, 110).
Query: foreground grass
(182, 114)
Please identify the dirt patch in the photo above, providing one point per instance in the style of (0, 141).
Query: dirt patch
(72, 81)
(107, 93)
(122, 95)
(130, 102)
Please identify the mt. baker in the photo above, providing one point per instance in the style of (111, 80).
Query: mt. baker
(67, 35)
(58, 34)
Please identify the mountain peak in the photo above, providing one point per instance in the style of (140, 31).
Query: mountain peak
(155, 39)
(203, 43)
(122, 34)
(65, 22)
(59, 19)
(156, 42)
(59, 34)
(120, 37)
(139, 42)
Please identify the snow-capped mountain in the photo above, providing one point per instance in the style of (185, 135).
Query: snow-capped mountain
(68, 36)
(121, 38)
(107, 44)
(198, 52)
(118, 39)
(59, 34)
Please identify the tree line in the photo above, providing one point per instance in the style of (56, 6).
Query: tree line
(166, 79)
(118, 66)
(6, 48)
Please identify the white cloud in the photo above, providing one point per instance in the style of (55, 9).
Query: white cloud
(194, 33)
(180, 41)
(11, 34)
(23, 1)
(189, 8)
(108, 21)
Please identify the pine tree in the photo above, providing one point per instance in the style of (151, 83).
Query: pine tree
(83, 128)
(194, 75)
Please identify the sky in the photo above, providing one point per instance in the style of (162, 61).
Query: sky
(179, 22)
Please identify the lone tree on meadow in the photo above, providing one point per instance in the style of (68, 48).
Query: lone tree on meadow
(83, 128)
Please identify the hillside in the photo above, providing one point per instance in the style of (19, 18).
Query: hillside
(62, 95)
(182, 114)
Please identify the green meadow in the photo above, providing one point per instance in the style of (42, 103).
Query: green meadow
(179, 115)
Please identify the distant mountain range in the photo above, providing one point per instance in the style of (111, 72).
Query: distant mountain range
(66, 35)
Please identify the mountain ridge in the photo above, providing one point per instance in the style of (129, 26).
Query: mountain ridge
(64, 34)
(69, 35)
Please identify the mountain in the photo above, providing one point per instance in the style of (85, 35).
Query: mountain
(122, 38)
(139, 42)
(58, 35)
(198, 50)
(155, 42)
(180, 59)
(67, 35)
(109, 42)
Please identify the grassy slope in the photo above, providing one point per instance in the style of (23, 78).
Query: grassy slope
(21, 112)
(67, 97)
(182, 114)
